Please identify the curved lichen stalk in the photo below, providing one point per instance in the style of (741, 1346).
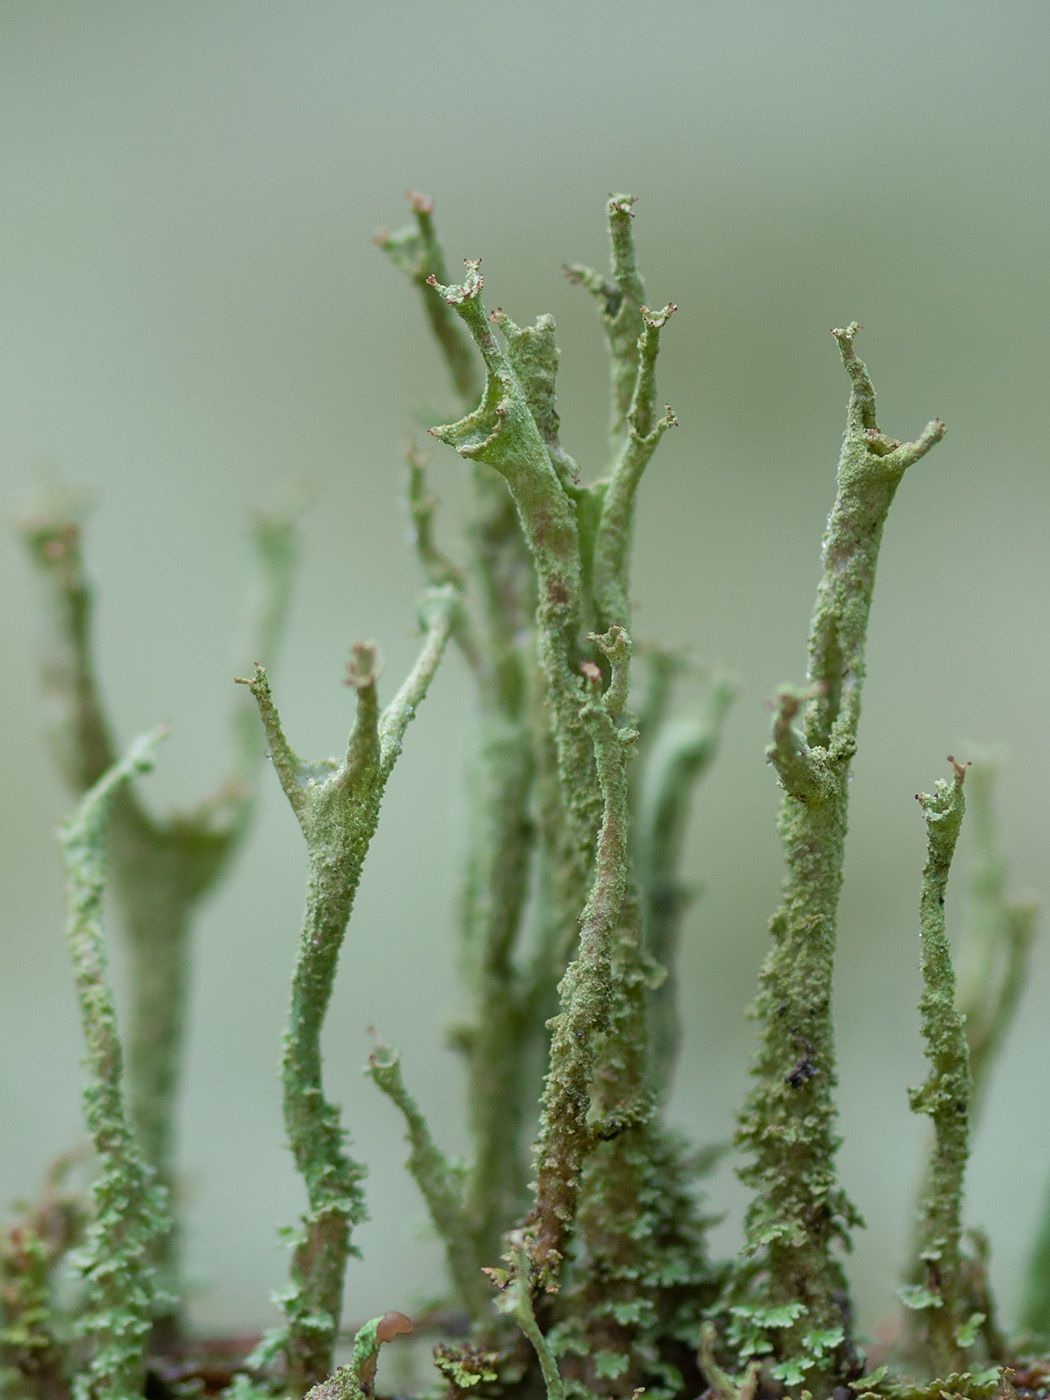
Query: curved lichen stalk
(578, 537)
(494, 632)
(161, 869)
(503, 433)
(130, 1206)
(949, 1325)
(337, 804)
(789, 1299)
(589, 992)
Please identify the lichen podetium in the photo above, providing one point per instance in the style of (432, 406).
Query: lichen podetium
(131, 1206)
(337, 804)
(939, 1294)
(789, 1299)
(161, 869)
(580, 784)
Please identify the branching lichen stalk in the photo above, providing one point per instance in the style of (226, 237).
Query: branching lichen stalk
(500, 1084)
(621, 299)
(440, 1185)
(130, 1206)
(503, 433)
(940, 1295)
(417, 251)
(623, 1238)
(337, 804)
(789, 1298)
(497, 642)
(611, 559)
(587, 991)
(161, 869)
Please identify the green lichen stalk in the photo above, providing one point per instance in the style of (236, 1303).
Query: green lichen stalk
(639, 1278)
(516, 1301)
(440, 1185)
(533, 737)
(790, 1300)
(337, 804)
(504, 433)
(588, 990)
(495, 633)
(940, 1295)
(130, 1206)
(161, 869)
(573, 895)
(620, 298)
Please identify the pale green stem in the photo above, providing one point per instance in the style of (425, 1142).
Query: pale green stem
(161, 869)
(499, 1082)
(503, 433)
(130, 1206)
(620, 298)
(418, 253)
(337, 804)
(500, 651)
(588, 993)
(439, 1186)
(610, 569)
(789, 1294)
(516, 1300)
(939, 1294)
(1035, 1304)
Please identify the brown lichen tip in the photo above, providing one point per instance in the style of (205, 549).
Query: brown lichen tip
(470, 288)
(391, 1325)
(959, 769)
(365, 665)
(421, 203)
(258, 679)
(658, 319)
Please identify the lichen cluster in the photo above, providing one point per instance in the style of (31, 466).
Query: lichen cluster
(575, 1232)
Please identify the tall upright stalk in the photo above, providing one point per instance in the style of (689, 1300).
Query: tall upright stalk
(336, 802)
(790, 1299)
(940, 1295)
(162, 868)
(131, 1206)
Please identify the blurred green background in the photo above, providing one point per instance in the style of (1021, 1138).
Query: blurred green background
(193, 318)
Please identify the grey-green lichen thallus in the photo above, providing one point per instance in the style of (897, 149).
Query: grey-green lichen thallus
(337, 803)
(118, 1262)
(789, 1296)
(950, 1325)
(161, 870)
(574, 1229)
